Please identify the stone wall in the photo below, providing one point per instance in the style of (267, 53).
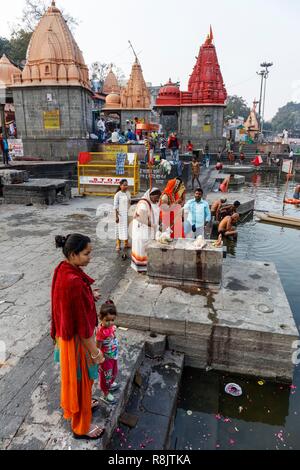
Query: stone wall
(193, 125)
(76, 122)
(127, 114)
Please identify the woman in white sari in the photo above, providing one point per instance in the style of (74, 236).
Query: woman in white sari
(144, 228)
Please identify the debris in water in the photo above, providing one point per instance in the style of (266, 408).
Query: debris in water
(189, 413)
(241, 409)
(261, 383)
(233, 390)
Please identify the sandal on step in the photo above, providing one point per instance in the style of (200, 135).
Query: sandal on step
(88, 437)
(95, 404)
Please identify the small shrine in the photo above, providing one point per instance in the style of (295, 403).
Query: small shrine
(251, 125)
(197, 114)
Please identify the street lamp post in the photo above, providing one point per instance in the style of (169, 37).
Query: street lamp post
(263, 90)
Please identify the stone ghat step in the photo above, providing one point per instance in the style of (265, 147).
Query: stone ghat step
(250, 309)
(154, 404)
(38, 191)
(31, 417)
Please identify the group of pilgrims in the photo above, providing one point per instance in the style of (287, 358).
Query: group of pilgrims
(156, 210)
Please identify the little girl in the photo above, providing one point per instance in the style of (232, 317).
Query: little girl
(108, 344)
(121, 206)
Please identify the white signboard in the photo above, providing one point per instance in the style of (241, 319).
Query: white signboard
(287, 166)
(16, 148)
(104, 181)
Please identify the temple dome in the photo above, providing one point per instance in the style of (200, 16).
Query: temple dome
(54, 52)
(111, 84)
(169, 95)
(113, 100)
(7, 70)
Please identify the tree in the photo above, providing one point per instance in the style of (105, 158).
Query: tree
(16, 47)
(100, 70)
(33, 12)
(237, 107)
(5, 47)
(19, 43)
(287, 117)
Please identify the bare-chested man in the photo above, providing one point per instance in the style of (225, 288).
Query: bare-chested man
(226, 227)
(215, 208)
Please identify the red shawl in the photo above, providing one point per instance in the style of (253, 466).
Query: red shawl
(73, 305)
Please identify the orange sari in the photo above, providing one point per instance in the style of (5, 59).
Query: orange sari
(76, 384)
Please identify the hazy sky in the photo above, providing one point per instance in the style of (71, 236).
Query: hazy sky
(167, 35)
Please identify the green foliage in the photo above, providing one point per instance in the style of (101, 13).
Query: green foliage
(287, 117)
(16, 47)
(5, 47)
(237, 107)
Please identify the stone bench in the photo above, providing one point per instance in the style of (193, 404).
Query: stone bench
(37, 191)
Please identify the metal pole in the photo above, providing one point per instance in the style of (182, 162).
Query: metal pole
(265, 75)
(261, 92)
(264, 102)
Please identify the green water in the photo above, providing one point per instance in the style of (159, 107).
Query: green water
(265, 416)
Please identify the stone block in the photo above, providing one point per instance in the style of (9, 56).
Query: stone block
(13, 177)
(183, 263)
(155, 345)
(39, 191)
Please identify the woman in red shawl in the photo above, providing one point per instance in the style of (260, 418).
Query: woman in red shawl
(172, 202)
(74, 319)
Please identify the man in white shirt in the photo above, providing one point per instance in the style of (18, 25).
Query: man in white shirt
(197, 215)
(115, 137)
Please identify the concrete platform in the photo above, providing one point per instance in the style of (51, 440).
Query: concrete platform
(37, 191)
(247, 204)
(246, 328)
(240, 169)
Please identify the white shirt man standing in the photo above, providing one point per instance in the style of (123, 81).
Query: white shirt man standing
(115, 137)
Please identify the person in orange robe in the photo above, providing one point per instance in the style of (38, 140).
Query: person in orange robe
(74, 319)
(171, 203)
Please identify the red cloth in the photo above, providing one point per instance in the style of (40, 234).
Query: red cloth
(84, 158)
(73, 305)
(257, 161)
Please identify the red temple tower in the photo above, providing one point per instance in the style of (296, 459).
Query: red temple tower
(198, 114)
(206, 85)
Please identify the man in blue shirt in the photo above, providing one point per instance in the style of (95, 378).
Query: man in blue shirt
(197, 215)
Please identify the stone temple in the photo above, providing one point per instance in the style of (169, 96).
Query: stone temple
(196, 114)
(132, 101)
(52, 96)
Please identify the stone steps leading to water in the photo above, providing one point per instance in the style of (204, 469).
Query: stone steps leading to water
(31, 417)
(154, 404)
